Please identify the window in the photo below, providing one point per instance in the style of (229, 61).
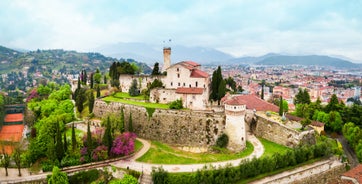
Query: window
(164, 99)
(184, 84)
(178, 69)
(178, 75)
(179, 84)
(193, 97)
(190, 85)
(204, 86)
(171, 83)
(196, 83)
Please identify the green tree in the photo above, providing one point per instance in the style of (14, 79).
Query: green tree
(128, 179)
(104, 79)
(262, 89)
(333, 104)
(305, 122)
(74, 140)
(80, 99)
(65, 142)
(5, 161)
(281, 106)
(91, 80)
(107, 137)
(89, 140)
(98, 92)
(97, 77)
(18, 151)
(231, 83)
(59, 147)
(91, 101)
(156, 69)
(215, 83)
(285, 106)
(130, 123)
(221, 91)
(302, 97)
(133, 90)
(57, 177)
(122, 127)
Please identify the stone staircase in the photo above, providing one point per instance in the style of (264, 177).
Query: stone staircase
(146, 178)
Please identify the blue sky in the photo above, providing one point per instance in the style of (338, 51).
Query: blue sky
(237, 27)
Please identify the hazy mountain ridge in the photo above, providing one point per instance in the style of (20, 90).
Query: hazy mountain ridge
(153, 53)
(57, 59)
(307, 60)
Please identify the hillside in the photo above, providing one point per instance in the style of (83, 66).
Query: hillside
(60, 60)
(307, 60)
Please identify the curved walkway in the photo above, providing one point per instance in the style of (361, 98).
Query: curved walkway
(147, 168)
(131, 163)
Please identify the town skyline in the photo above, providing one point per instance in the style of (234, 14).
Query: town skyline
(236, 28)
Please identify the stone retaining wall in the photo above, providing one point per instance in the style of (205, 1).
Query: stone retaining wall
(279, 133)
(179, 128)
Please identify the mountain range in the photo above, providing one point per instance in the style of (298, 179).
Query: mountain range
(153, 53)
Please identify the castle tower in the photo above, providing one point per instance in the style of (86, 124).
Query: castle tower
(235, 124)
(166, 58)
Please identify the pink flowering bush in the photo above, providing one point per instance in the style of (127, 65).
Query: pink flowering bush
(33, 94)
(100, 153)
(123, 144)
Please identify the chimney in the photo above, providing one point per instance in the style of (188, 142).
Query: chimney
(166, 58)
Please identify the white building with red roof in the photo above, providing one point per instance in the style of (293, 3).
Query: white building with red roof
(184, 80)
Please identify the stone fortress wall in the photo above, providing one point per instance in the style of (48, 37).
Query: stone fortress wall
(179, 128)
(279, 133)
(198, 128)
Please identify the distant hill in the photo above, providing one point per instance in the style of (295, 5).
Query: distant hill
(307, 60)
(153, 53)
(58, 59)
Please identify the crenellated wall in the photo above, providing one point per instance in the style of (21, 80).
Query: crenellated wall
(179, 128)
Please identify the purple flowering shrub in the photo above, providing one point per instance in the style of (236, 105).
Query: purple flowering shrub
(100, 153)
(33, 94)
(123, 144)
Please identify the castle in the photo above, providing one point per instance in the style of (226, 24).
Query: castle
(184, 80)
(202, 125)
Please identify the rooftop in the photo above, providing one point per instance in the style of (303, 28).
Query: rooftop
(189, 90)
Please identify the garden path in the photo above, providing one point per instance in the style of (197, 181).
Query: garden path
(147, 168)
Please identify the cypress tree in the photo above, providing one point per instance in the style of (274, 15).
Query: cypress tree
(59, 149)
(80, 98)
(91, 101)
(281, 106)
(74, 140)
(91, 81)
(107, 138)
(156, 69)
(89, 140)
(65, 143)
(262, 89)
(98, 92)
(130, 126)
(78, 87)
(105, 79)
(221, 91)
(122, 121)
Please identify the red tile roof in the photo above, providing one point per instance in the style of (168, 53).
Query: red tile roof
(196, 73)
(194, 64)
(235, 101)
(355, 173)
(14, 117)
(254, 102)
(190, 90)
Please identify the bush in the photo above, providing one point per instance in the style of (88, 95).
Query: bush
(84, 176)
(177, 104)
(222, 141)
(70, 161)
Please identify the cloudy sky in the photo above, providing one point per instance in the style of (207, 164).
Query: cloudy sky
(238, 27)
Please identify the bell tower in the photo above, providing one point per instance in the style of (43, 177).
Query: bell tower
(166, 58)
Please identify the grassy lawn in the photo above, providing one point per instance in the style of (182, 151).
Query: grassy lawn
(123, 95)
(164, 154)
(271, 147)
(143, 104)
(138, 145)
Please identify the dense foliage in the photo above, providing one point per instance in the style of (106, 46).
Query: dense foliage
(247, 168)
(177, 104)
(218, 86)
